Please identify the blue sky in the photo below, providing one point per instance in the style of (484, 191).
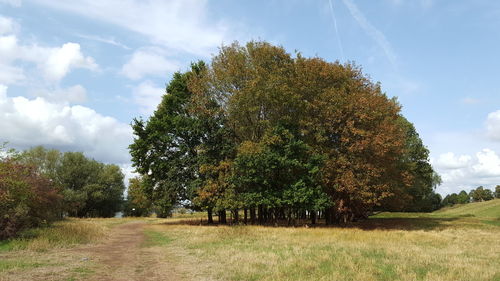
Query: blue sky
(73, 74)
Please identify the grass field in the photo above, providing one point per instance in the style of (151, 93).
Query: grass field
(457, 243)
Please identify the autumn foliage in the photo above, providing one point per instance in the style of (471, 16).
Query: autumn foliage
(27, 199)
(281, 137)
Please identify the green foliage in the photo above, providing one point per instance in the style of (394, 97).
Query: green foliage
(138, 203)
(481, 194)
(165, 147)
(497, 191)
(89, 188)
(450, 199)
(463, 197)
(279, 171)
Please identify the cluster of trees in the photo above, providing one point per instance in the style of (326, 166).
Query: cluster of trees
(475, 195)
(38, 186)
(280, 137)
(138, 203)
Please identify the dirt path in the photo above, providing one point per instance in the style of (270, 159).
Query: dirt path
(123, 257)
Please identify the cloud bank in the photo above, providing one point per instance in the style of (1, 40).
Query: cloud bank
(29, 122)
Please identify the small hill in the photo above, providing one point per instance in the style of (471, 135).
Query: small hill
(487, 209)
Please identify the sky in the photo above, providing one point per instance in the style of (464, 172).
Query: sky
(73, 74)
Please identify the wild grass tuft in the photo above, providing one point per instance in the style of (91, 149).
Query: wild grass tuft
(59, 235)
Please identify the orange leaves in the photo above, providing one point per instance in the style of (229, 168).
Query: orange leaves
(332, 108)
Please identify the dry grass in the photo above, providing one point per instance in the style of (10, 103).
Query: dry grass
(460, 243)
(389, 247)
(59, 235)
(42, 253)
(262, 253)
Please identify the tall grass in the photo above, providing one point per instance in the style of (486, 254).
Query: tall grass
(59, 235)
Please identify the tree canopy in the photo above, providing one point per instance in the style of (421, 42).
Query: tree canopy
(282, 137)
(481, 194)
(89, 188)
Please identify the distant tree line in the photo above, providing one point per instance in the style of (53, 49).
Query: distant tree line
(475, 195)
(279, 138)
(39, 185)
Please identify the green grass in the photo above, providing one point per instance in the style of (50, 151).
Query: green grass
(488, 209)
(461, 215)
(6, 265)
(155, 238)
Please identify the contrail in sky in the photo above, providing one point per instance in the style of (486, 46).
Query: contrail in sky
(372, 31)
(336, 30)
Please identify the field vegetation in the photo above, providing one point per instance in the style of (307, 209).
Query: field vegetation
(456, 243)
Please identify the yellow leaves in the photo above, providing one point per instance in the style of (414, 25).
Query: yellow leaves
(249, 148)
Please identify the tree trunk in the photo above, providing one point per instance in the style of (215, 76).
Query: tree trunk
(261, 214)
(329, 216)
(245, 211)
(313, 217)
(222, 217)
(252, 215)
(210, 216)
(236, 216)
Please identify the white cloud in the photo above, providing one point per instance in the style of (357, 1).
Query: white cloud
(7, 25)
(450, 161)
(177, 24)
(8, 48)
(30, 122)
(129, 172)
(53, 62)
(61, 60)
(147, 96)
(465, 172)
(371, 30)
(493, 125)
(487, 165)
(10, 74)
(3, 92)
(148, 61)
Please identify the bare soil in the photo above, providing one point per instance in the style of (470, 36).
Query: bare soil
(123, 257)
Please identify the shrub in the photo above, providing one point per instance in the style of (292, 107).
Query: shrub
(27, 199)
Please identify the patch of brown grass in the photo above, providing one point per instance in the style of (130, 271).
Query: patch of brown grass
(266, 253)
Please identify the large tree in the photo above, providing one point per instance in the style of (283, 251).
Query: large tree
(167, 145)
(419, 195)
(209, 141)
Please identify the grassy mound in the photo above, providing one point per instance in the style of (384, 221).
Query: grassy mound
(488, 209)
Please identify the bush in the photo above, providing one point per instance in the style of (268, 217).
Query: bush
(27, 199)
